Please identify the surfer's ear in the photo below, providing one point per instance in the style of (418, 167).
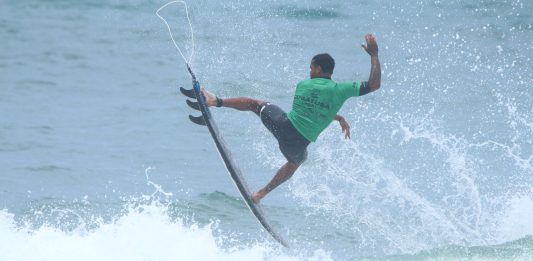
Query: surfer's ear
(315, 68)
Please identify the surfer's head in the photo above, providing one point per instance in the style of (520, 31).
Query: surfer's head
(322, 65)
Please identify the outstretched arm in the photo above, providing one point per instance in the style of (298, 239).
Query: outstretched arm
(374, 81)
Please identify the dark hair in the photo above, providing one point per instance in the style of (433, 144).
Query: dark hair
(325, 61)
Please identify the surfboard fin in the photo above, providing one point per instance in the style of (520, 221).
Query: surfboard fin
(193, 105)
(188, 92)
(198, 120)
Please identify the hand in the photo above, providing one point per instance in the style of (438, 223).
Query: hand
(345, 127)
(371, 46)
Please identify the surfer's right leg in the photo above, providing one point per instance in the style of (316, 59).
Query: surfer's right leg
(241, 103)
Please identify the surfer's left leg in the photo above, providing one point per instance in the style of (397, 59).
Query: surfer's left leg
(241, 103)
(283, 174)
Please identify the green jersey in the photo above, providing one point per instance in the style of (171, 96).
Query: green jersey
(316, 103)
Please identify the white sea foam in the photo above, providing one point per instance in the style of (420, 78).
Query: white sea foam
(145, 233)
(517, 221)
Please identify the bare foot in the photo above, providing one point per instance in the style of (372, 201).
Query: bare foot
(210, 98)
(256, 197)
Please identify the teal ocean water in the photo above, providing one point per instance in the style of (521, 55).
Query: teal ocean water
(100, 162)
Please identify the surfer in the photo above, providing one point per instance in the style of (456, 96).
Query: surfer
(316, 103)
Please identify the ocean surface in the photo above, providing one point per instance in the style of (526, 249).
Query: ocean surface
(100, 162)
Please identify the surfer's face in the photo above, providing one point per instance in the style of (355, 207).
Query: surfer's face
(315, 70)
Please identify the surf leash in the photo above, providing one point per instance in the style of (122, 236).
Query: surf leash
(188, 62)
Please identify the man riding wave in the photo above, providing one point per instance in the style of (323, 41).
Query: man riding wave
(316, 103)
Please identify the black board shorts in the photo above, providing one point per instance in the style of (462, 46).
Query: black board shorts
(291, 143)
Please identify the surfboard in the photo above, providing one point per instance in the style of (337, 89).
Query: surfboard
(206, 119)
